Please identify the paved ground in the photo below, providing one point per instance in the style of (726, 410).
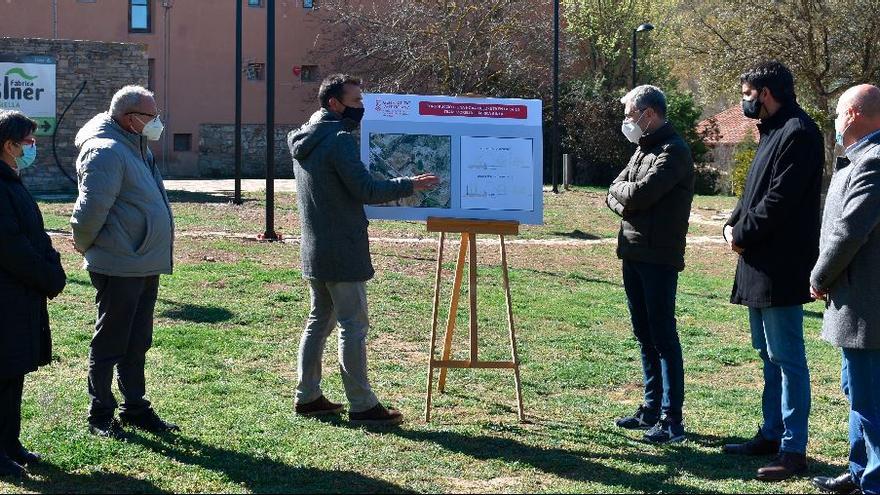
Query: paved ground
(227, 185)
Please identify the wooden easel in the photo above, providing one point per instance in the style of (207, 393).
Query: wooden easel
(469, 230)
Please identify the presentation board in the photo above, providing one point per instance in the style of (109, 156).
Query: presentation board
(487, 152)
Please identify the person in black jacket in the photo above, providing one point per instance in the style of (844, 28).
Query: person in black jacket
(653, 196)
(775, 231)
(30, 273)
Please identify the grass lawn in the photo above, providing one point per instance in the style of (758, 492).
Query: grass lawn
(223, 366)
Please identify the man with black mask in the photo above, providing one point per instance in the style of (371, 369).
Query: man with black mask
(332, 187)
(775, 231)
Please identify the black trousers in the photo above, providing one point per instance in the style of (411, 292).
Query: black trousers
(10, 413)
(123, 335)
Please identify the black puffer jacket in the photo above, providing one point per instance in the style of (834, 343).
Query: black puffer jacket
(777, 219)
(30, 273)
(653, 194)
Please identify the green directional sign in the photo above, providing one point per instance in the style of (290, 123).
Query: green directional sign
(45, 126)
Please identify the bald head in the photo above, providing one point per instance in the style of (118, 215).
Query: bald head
(858, 113)
(864, 99)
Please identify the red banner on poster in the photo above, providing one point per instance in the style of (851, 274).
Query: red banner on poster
(492, 111)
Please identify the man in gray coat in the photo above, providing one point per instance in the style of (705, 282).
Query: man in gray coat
(122, 224)
(332, 187)
(846, 275)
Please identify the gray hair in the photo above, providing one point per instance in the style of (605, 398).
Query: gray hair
(127, 99)
(646, 96)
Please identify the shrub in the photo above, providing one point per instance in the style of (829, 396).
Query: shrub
(742, 161)
(707, 179)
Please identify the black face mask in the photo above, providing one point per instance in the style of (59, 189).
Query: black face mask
(353, 116)
(752, 108)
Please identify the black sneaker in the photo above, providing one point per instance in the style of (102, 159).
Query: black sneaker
(10, 468)
(666, 431)
(109, 428)
(24, 457)
(643, 419)
(148, 421)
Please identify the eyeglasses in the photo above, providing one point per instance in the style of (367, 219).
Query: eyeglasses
(150, 115)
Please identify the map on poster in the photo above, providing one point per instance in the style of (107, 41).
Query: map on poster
(406, 155)
(487, 153)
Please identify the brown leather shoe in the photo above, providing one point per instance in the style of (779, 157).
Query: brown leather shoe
(318, 407)
(758, 445)
(377, 416)
(786, 465)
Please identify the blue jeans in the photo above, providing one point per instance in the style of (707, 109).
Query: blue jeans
(861, 385)
(650, 293)
(778, 335)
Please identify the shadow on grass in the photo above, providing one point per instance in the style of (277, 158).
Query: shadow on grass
(685, 460)
(195, 313)
(578, 234)
(721, 296)
(262, 474)
(51, 479)
(203, 197)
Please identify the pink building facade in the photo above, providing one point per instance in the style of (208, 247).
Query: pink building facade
(191, 56)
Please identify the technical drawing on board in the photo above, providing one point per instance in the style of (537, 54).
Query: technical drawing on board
(407, 155)
(496, 173)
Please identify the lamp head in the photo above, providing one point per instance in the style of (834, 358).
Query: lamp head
(644, 27)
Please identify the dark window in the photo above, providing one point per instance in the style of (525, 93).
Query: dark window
(151, 74)
(255, 3)
(139, 18)
(254, 71)
(183, 142)
(309, 73)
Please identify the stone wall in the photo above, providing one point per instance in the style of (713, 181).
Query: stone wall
(105, 67)
(217, 151)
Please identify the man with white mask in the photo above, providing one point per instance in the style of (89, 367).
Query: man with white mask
(653, 196)
(123, 225)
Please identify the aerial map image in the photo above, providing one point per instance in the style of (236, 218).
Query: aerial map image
(405, 155)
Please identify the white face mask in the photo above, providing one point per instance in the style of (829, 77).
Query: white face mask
(153, 129)
(632, 131)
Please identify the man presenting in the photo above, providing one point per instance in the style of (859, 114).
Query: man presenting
(333, 185)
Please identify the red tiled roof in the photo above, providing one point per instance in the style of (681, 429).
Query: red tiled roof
(733, 126)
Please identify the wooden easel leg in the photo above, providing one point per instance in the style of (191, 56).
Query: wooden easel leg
(504, 270)
(453, 310)
(435, 314)
(472, 292)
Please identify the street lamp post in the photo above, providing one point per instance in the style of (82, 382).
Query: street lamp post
(554, 168)
(643, 27)
(270, 234)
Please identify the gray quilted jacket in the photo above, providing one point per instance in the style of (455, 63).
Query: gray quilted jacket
(122, 219)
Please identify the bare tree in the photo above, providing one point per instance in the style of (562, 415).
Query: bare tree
(829, 45)
(492, 47)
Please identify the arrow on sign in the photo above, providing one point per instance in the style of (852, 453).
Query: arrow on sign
(45, 126)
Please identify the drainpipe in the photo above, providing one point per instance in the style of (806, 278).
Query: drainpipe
(54, 19)
(166, 90)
